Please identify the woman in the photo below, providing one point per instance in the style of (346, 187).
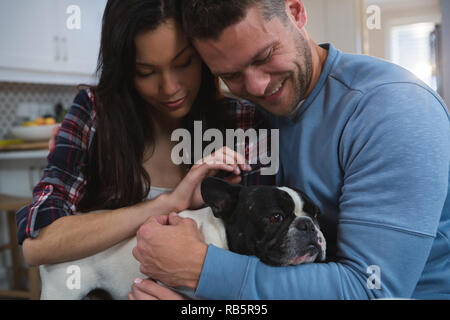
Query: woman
(113, 151)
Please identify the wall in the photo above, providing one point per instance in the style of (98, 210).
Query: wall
(335, 21)
(13, 94)
(445, 9)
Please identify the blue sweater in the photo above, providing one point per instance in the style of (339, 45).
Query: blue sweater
(371, 146)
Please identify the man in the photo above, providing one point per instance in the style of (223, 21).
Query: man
(366, 140)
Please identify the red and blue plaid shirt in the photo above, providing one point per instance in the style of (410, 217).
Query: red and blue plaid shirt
(63, 184)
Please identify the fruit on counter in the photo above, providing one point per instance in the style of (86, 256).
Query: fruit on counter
(39, 122)
(9, 142)
(50, 121)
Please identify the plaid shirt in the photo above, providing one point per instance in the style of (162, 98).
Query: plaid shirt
(64, 184)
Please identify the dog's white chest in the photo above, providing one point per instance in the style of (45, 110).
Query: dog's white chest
(115, 268)
(212, 228)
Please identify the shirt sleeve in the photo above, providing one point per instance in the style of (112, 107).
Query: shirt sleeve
(63, 182)
(395, 154)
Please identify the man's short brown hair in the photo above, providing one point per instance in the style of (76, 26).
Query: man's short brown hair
(207, 19)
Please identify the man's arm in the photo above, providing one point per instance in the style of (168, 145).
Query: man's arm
(395, 185)
(396, 168)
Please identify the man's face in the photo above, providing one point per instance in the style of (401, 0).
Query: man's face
(266, 62)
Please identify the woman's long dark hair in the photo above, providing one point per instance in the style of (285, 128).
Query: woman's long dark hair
(116, 177)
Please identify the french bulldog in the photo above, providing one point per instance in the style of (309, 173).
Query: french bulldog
(276, 224)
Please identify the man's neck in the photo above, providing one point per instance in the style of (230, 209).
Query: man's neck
(319, 58)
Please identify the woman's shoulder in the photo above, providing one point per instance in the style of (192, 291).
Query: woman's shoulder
(84, 100)
(82, 109)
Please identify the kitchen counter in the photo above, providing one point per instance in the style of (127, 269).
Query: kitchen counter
(24, 150)
(24, 154)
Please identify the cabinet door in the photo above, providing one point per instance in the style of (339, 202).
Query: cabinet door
(27, 33)
(79, 30)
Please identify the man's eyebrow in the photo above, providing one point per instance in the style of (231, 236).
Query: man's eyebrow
(173, 59)
(251, 61)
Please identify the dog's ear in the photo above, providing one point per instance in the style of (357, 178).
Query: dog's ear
(309, 206)
(220, 195)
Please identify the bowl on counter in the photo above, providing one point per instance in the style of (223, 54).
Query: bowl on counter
(34, 133)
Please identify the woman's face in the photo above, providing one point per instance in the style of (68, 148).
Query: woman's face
(168, 70)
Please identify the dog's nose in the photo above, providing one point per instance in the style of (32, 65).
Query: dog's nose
(305, 225)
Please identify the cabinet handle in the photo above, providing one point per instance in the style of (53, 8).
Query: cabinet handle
(64, 46)
(57, 51)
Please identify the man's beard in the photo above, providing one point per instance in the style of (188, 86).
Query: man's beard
(300, 77)
(304, 76)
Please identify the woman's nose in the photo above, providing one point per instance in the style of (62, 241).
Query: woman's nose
(169, 84)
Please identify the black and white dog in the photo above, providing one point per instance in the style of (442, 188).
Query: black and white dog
(278, 225)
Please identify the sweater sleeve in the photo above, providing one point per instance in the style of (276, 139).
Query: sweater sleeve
(63, 182)
(395, 156)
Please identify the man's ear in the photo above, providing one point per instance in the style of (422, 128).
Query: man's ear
(297, 12)
(221, 196)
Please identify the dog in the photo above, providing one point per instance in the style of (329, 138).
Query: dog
(276, 224)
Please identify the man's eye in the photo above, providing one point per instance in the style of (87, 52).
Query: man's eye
(277, 218)
(265, 59)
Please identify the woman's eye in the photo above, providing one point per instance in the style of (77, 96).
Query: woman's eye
(277, 218)
(186, 64)
(144, 74)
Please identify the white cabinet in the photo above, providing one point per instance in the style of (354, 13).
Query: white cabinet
(50, 41)
(27, 32)
(21, 171)
(79, 39)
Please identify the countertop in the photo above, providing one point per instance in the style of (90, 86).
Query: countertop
(30, 154)
(25, 150)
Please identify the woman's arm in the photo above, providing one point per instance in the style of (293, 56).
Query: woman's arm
(77, 236)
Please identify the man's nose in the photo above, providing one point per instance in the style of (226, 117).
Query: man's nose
(169, 84)
(256, 81)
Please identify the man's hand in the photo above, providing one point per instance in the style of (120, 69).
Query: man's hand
(171, 249)
(150, 290)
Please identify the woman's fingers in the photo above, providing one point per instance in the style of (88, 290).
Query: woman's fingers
(150, 290)
(228, 156)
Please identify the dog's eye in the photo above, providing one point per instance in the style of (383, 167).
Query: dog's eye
(277, 218)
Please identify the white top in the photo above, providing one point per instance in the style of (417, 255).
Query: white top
(156, 192)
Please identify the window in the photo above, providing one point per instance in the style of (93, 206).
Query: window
(411, 48)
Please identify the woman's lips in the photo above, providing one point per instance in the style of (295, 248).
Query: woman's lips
(176, 103)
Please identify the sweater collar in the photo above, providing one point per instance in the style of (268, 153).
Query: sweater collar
(333, 53)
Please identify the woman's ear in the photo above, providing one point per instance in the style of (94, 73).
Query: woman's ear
(297, 12)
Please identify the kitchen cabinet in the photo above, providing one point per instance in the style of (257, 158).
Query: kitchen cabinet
(41, 43)
(20, 171)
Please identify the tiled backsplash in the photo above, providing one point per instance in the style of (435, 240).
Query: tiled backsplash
(12, 95)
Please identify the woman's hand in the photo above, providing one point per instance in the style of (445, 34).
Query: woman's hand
(188, 195)
(150, 290)
(52, 141)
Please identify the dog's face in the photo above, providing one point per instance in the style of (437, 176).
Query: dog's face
(278, 225)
